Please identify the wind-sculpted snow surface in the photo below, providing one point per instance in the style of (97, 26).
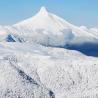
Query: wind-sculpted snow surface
(28, 68)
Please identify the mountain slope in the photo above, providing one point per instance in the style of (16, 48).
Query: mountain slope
(16, 81)
(57, 69)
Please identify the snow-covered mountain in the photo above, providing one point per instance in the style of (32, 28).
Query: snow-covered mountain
(54, 30)
(33, 64)
(48, 29)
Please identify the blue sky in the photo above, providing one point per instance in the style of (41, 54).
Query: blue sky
(78, 12)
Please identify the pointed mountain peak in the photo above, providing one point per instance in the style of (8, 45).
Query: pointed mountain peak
(43, 11)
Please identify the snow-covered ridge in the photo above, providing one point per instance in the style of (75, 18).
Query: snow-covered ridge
(66, 73)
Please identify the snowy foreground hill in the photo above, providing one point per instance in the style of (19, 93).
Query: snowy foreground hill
(39, 59)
